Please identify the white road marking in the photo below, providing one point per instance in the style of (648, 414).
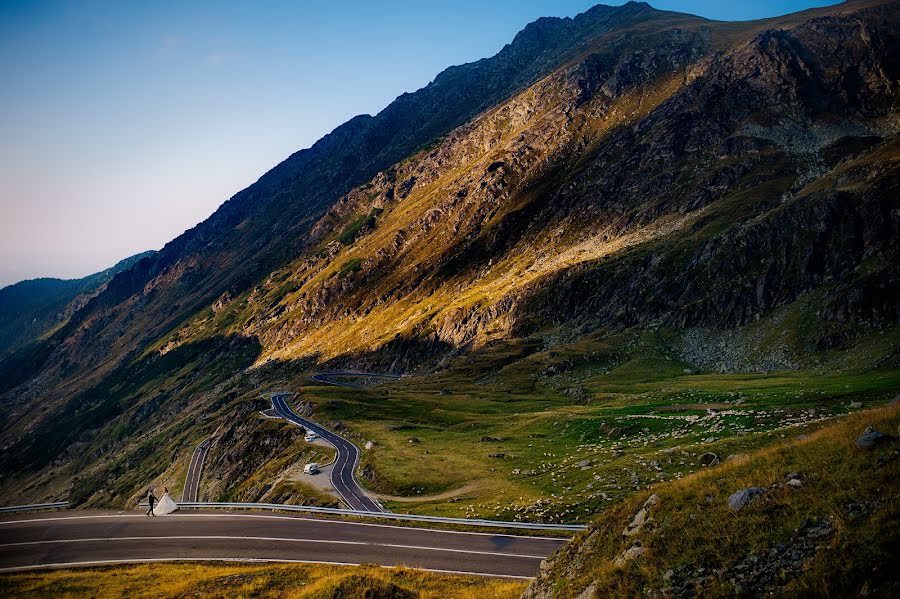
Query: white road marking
(275, 539)
(295, 518)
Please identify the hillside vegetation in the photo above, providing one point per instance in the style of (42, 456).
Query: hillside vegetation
(824, 524)
(834, 532)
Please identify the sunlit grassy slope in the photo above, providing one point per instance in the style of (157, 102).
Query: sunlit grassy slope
(220, 580)
(835, 535)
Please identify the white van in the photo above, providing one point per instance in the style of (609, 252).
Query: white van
(311, 468)
(311, 436)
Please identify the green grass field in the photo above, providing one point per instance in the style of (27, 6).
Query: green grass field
(521, 433)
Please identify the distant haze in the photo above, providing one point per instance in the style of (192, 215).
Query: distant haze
(123, 124)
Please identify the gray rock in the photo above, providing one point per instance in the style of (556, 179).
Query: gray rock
(630, 554)
(588, 593)
(855, 405)
(709, 459)
(870, 438)
(369, 444)
(642, 517)
(795, 482)
(744, 496)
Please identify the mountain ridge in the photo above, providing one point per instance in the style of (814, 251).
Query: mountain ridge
(46, 301)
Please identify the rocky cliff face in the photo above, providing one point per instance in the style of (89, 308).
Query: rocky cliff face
(658, 180)
(628, 167)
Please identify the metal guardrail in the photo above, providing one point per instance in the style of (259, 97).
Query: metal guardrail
(383, 515)
(33, 507)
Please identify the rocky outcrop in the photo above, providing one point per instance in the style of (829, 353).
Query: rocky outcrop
(243, 446)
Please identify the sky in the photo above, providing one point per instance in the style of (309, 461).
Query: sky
(122, 124)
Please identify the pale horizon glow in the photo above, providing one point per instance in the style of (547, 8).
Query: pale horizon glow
(122, 126)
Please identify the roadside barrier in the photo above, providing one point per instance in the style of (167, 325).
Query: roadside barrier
(33, 507)
(383, 515)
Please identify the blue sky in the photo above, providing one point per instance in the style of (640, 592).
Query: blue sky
(124, 123)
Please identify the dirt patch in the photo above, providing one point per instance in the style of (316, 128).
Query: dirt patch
(467, 488)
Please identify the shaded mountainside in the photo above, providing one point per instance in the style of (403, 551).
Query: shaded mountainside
(628, 168)
(30, 308)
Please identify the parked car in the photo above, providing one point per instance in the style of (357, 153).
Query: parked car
(311, 436)
(311, 468)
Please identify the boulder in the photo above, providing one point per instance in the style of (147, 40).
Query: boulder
(744, 496)
(709, 459)
(369, 444)
(870, 438)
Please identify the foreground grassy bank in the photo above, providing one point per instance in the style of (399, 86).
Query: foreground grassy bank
(835, 532)
(301, 581)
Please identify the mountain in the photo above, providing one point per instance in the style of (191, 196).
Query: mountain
(30, 308)
(730, 187)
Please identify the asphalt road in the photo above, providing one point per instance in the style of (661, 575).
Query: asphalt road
(192, 480)
(344, 463)
(327, 377)
(58, 539)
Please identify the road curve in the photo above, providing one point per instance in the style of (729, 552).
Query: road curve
(192, 479)
(30, 541)
(327, 377)
(345, 461)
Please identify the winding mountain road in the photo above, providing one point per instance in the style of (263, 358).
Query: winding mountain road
(59, 539)
(192, 480)
(345, 461)
(328, 377)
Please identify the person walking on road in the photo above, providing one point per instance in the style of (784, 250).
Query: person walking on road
(151, 500)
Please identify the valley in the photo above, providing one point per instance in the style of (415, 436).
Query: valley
(561, 435)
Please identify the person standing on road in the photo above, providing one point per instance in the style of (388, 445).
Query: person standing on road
(151, 500)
